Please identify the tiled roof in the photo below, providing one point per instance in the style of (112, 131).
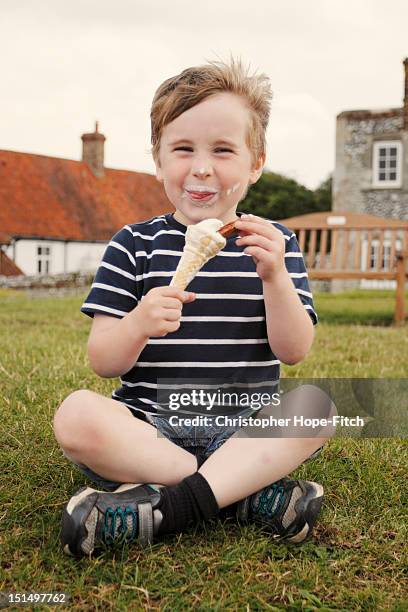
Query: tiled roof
(8, 267)
(50, 197)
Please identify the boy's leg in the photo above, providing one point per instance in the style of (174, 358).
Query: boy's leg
(245, 464)
(102, 434)
(142, 511)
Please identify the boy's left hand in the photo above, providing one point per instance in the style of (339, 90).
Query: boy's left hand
(265, 243)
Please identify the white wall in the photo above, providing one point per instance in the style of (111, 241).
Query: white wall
(64, 257)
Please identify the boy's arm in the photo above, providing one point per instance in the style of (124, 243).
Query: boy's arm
(289, 327)
(114, 345)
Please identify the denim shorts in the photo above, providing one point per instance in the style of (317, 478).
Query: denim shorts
(200, 439)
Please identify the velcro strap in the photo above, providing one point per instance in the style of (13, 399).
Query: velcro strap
(145, 523)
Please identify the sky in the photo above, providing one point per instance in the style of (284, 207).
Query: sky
(67, 64)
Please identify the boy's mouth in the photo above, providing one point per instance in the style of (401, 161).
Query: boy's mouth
(200, 194)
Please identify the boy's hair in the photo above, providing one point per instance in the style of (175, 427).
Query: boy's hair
(179, 93)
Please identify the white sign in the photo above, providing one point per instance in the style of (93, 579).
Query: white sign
(336, 220)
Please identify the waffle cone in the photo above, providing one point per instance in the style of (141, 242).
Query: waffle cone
(194, 256)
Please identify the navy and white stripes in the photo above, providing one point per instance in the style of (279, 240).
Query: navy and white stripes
(223, 332)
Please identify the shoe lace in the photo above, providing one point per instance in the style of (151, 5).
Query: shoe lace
(120, 524)
(269, 502)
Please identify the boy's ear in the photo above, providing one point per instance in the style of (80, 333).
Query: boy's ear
(159, 174)
(257, 170)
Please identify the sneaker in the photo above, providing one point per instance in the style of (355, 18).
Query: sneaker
(288, 508)
(92, 517)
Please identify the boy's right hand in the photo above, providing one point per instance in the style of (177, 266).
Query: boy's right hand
(159, 311)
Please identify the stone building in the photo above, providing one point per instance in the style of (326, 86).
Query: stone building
(371, 172)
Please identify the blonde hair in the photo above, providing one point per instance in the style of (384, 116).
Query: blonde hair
(179, 93)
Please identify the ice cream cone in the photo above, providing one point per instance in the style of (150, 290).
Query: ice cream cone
(203, 241)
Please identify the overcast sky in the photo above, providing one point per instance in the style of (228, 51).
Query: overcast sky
(66, 64)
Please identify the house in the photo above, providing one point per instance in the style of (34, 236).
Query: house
(371, 169)
(57, 215)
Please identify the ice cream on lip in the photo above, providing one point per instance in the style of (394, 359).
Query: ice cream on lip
(200, 189)
(200, 193)
(205, 189)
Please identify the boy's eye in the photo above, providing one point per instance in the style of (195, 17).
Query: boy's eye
(189, 149)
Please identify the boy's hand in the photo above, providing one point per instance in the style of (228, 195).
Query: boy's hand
(159, 311)
(265, 243)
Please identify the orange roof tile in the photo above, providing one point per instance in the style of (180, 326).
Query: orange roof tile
(8, 267)
(49, 197)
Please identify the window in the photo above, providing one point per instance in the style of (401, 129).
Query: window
(43, 259)
(387, 157)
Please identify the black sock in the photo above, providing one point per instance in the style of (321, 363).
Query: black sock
(228, 512)
(186, 503)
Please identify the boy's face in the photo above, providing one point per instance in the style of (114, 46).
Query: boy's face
(205, 148)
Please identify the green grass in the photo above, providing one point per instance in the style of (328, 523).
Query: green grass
(358, 307)
(356, 560)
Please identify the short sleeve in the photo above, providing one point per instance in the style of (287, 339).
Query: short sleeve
(113, 291)
(295, 265)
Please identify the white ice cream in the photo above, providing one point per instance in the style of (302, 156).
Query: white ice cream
(202, 242)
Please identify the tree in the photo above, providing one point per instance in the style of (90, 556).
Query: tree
(323, 195)
(277, 197)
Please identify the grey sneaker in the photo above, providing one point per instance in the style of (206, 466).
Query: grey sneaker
(288, 508)
(92, 517)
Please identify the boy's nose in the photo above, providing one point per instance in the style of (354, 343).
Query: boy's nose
(202, 171)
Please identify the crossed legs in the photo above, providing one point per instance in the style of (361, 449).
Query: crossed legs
(102, 434)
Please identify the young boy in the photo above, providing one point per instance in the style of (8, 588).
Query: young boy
(249, 308)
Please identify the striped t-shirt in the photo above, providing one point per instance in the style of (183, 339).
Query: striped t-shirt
(222, 337)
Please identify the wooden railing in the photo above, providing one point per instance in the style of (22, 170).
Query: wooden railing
(353, 246)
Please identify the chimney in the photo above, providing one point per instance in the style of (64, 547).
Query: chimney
(92, 151)
(405, 127)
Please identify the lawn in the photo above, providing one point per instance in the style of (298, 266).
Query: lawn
(356, 559)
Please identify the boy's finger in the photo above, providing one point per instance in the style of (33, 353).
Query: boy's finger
(188, 296)
(254, 219)
(172, 302)
(176, 292)
(263, 229)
